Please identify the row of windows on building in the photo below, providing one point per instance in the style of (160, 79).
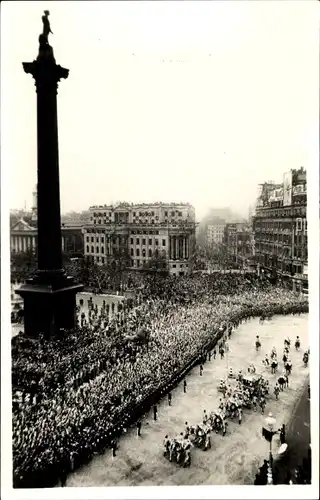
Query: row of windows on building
(133, 241)
(173, 213)
(101, 231)
(295, 253)
(100, 250)
(280, 212)
(138, 221)
(300, 225)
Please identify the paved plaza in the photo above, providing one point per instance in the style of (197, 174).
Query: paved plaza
(233, 459)
(97, 299)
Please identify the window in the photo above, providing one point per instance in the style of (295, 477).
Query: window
(88, 249)
(134, 214)
(305, 226)
(114, 241)
(87, 238)
(150, 252)
(143, 252)
(92, 239)
(102, 260)
(299, 224)
(98, 259)
(131, 251)
(166, 214)
(143, 241)
(163, 243)
(173, 265)
(138, 263)
(137, 241)
(156, 241)
(97, 249)
(131, 241)
(92, 249)
(150, 241)
(152, 213)
(137, 252)
(102, 249)
(132, 263)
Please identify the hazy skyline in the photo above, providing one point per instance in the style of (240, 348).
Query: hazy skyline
(165, 101)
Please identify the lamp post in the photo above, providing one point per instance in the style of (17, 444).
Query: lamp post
(268, 432)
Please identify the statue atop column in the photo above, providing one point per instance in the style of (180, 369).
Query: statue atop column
(45, 49)
(46, 25)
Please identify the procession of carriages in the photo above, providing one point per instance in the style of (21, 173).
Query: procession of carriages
(249, 392)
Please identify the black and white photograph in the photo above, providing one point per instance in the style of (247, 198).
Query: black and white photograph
(159, 249)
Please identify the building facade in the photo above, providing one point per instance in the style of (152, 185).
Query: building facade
(281, 230)
(24, 237)
(239, 244)
(142, 233)
(215, 232)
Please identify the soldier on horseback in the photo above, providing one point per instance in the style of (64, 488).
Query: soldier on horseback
(258, 343)
(273, 353)
(274, 365)
(276, 390)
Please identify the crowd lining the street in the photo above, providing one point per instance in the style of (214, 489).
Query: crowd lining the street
(74, 395)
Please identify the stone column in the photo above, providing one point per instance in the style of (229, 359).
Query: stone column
(49, 296)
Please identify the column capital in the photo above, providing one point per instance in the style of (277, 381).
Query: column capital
(44, 69)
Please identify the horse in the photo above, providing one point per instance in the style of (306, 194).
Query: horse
(217, 422)
(262, 403)
(274, 366)
(232, 408)
(282, 382)
(273, 354)
(287, 342)
(288, 367)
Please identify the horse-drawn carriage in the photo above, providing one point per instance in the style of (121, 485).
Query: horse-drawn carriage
(232, 407)
(256, 384)
(216, 421)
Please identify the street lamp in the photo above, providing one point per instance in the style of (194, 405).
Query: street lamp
(268, 432)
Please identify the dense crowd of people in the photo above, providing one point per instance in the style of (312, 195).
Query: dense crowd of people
(74, 394)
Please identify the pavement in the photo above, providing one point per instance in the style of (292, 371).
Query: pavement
(298, 437)
(97, 299)
(233, 459)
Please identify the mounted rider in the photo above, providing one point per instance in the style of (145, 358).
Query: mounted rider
(258, 343)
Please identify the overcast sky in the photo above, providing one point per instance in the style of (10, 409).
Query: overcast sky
(172, 101)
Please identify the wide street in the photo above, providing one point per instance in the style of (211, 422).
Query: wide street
(233, 459)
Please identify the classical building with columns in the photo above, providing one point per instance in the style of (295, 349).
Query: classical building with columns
(24, 237)
(142, 231)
